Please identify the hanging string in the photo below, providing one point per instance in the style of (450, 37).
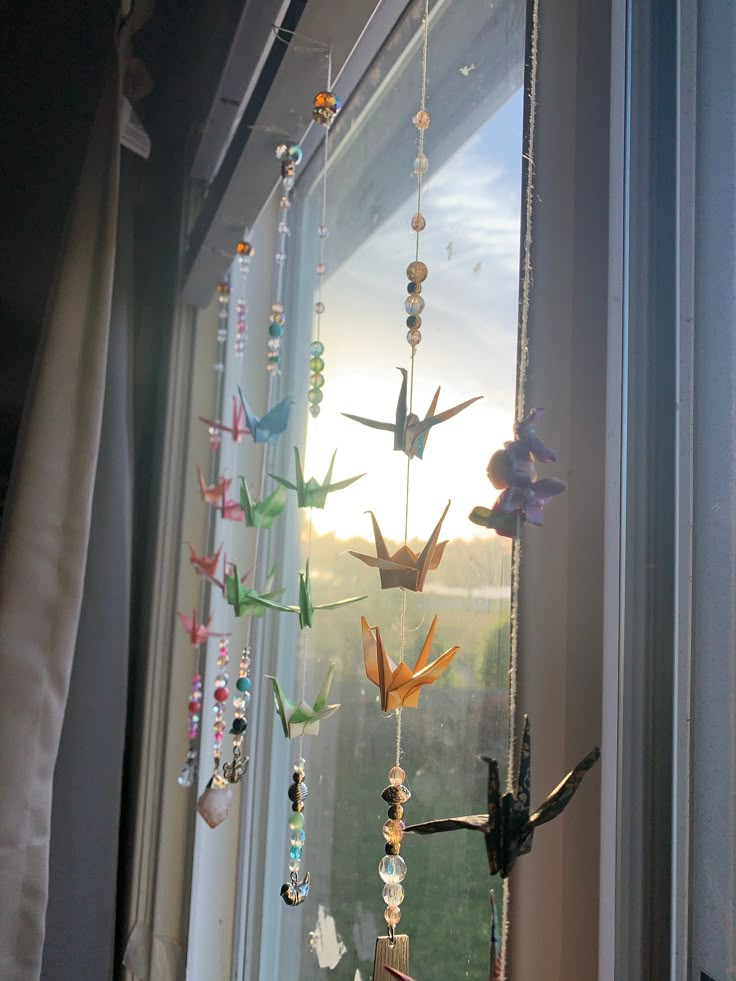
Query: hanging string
(523, 358)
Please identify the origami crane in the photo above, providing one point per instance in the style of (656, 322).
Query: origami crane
(244, 600)
(299, 718)
(508, 828)
(306, 607)
(268, 428)
(404, 568)
(198, 632)
(229, 508)
(400, 686)
(236, 429)
(263, 514)
(310, 493)
(512, 470)
(214, 493)
(411, 432)
(205, 565)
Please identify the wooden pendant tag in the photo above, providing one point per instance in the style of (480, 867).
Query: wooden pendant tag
(390, 955)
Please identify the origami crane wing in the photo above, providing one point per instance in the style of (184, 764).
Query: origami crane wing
(306, 607)
(245, 600)
(219, 426)
(263, 514)
(431, 554)
(205, 565)
(300, 718)
(561, 796)
(213, 494)
(417, 432)
(268, 428)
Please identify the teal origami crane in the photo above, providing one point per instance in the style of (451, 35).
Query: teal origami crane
(299, 718)
(246, 601)
(264, 513)
(306, 607)
(267, 428)
(311, 493)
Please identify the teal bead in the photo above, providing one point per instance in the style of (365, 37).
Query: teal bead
(316, 348)
(243, 684)
(275, 330)
(295, 852)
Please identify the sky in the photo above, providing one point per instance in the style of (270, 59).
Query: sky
(471, 247)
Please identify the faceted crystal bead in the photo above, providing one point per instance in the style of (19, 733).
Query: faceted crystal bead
(294, 865)
(392, 869)
(284, 203)
(321, 269)
(393, 894)
(316, 364)
(393, 832)
(319, 307)
(316, 348)
(396, 795)
(280, 258)
(221, 334)
(299, 765)
(414, 337)
(295, 852)
(323, 231)
(421, 119)
(188, 773)
(421, 164)
(414, 304)
(396, 776)
(283, 228)
(392, 915)
(298, 837)
(418, 222)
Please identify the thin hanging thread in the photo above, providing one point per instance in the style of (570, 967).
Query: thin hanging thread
(526, 284)
(402, 614)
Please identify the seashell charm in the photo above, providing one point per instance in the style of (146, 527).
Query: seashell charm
(214, 803)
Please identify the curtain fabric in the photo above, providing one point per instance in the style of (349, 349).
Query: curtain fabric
(43, 553)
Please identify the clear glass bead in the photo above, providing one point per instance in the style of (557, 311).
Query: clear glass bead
(393, 894)
(280, 258)
(414, 337)
(299, 764)
(283, 228)
(316, 348)
(321, 269)
(393, 831)
(421, 164)
(323, 231)
(294, 865)
(314, 411)
(219, 367)
(392, 915)
(319, 307)
(418, 222)
(222, 334)
(421, 119)
(392, 869)
(273, 344)
(298, 837)
(396, 776)
(414, 304)
(284, 203)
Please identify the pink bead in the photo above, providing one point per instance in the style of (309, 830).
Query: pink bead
(193, 734)
(221, 694)
(218, 737)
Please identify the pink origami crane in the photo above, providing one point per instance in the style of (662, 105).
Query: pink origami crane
(400, 686)
(213, 494)
(229, 508)
(205, 565)
(198, 632)
(237, 430)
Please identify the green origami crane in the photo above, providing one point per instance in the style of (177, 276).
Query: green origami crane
(306, 607)
(246, 601)
(310, 493)
(299, 718)
(263, 514)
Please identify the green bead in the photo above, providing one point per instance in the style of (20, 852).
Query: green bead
(317, 381)
(296, 820)
(275, 330)
(316, 364)
(314, 396)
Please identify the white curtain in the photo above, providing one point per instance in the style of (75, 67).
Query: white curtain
(43, 552)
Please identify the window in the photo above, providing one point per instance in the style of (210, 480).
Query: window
(472, 206)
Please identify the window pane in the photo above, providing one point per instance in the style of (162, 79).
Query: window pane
(471, 245)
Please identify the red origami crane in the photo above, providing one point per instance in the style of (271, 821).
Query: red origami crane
(205, 565)
(237, 429)
(213, 494)
(198, 632)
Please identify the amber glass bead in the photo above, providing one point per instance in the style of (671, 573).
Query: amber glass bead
(421, 119)
(417, 271)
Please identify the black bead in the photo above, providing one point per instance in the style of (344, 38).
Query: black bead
(392, 849)
(238, 727)
(411, 321)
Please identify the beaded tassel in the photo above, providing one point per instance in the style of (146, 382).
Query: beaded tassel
(294, 892)
(189, 770)
(241, 700)
(290, 156)
(392, 868)
(245, 252)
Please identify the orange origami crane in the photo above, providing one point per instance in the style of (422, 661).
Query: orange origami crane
(214, 493)
(401, 687)
(404, 568)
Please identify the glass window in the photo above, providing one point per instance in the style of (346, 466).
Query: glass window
(469, 347)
